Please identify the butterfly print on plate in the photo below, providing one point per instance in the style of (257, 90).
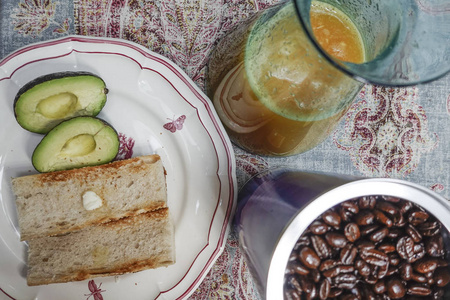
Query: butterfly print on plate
(175, 124)
(96, 292)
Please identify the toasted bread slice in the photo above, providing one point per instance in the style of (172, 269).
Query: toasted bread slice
(52, 203)
(128, 245)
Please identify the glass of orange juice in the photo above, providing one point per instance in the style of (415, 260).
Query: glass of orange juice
(282, 80)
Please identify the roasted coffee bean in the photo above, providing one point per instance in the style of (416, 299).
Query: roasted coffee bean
(370, 248)
(386, 247)
(334, 292)
(369, 229)
(411, 254)
(406, 271)
(295, 267)
(365, 245)
(309, 258)
(413, 233)
(417, 217)
(335, 239)
(395, 288)
(364, 217)
(321, 247)
(382, 218)
(392, 199)
(358, 291)
(442, 262)
(293, 256)
(332, 272)
(350, 206)
(292, 294)
(331, 218)
(394, 259)
(441, 277)
(395, 233)
(315, 275)
(420, 278)
(302, 241)
(351, 232)
(405, 247)
(382, 271)
(388, 208)
(362, 267)
(367, 202)
(319, 227)
(313, 294)
(328, 264)
(380, 287)
(438, 293)
(348, 254)
(426, 265)
(391, 270)
(434, 246)
(345, 281)
(417, 289)
(400, 221)
(419, 252)
(404, 206)
(430, 228)
(379, 234)
(324, 289)
(346, 216)
(375, 257)
(368, 294)
(306, 284)
(293, 282)
(371, 279)
(347, 269)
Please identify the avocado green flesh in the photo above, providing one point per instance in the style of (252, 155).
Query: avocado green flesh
(40, 107)
(76, 143)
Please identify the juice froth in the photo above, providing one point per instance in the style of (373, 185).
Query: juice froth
(336, 33)
(289, 77)
(280, 96)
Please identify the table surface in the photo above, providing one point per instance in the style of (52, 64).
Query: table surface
(388, 132)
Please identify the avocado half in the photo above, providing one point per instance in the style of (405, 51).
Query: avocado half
(76, 143)
(48, 100)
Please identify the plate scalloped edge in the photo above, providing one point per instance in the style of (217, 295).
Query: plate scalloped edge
(229, 160)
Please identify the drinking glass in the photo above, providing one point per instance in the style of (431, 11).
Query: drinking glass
(280, 90)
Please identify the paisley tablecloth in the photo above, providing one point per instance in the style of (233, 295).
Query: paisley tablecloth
(388, 132)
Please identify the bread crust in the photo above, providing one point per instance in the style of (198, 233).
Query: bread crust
(96, 171)
(50, 204)
(47, 265)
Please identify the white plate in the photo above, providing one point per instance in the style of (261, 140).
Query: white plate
(146, 91)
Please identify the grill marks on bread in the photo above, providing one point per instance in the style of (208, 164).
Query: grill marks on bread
(51, 203)
(128, 245)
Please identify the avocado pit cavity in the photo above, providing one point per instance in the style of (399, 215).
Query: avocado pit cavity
(79, 145)
(58, 106)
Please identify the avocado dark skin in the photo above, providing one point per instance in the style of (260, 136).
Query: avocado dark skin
(46, 101)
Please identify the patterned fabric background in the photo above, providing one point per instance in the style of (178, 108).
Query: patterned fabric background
(398, 133)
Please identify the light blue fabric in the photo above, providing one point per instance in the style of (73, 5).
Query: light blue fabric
(33, 21)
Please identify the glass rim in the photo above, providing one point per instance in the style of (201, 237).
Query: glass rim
(338, 64)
